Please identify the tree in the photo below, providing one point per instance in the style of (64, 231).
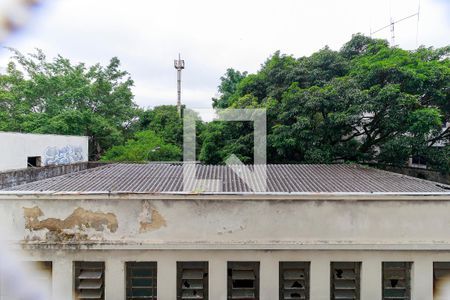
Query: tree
(367, 102)
(228, 85)
(146, 146)
(362, 45)
(57, 96)
(165, 121)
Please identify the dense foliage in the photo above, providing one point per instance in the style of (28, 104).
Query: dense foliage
(367, 102)
(159, 137)
(42, 96)
(146, 146)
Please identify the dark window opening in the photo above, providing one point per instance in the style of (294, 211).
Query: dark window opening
(33, 161)
(192, 280)
(294, 280)
(419, 160)
(441, 279)
(141, 280)
(243, 280)
(345, 280)
(243, 283)
(396, 280)
(89, 280)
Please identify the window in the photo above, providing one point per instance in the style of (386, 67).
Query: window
(192, 280)
(243, 280)
(441, 280)
(141, 280)
(33, 161)
(396, 280)
(89, 280)
(294, 280)
(419, 160)
(345, 280)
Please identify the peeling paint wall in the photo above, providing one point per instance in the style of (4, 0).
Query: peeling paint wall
(217, 231)
(73, 228)
(150, 219)
(222, 223)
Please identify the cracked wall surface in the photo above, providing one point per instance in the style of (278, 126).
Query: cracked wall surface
(145, 223)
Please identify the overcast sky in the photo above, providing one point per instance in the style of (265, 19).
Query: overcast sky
(212, 35)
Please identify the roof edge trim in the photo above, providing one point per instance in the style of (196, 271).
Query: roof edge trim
(17, 195)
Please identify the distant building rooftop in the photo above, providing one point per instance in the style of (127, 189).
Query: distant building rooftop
(282, 178)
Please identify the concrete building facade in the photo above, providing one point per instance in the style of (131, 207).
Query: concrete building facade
(274, 245)
(20, 150)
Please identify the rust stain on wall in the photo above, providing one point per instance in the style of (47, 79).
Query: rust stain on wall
(80, 218)
(150, 218)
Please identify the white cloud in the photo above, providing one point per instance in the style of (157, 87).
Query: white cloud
(213, 35)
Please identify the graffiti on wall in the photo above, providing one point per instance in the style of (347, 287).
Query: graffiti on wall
(62, 156)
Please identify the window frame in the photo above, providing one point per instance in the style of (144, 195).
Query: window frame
(37, 161)
(439, 265)
(129, 266)
(357, 268)
(93, 265)
(292, 265)
(408, 268)
(203, 265)
(245, 265)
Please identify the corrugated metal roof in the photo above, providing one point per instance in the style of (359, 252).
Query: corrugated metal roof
(283, 178)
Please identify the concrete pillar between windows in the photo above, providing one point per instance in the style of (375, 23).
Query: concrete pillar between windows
(114, 279)
(167, 278)
(269, 278)
(371, 286)
(320, 279)
(62, 279)
(422, 279)
(218, 279)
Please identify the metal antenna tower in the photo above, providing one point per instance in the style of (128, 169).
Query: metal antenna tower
(392, 32)
(179, 65)
(392, 26)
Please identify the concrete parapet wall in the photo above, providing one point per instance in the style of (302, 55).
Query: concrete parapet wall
(21, 176)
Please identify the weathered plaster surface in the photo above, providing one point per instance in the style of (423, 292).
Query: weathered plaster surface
(149, 229)
(150, 219)
(74, 227)
(108, 223)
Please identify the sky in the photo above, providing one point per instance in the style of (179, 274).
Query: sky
(211, 35)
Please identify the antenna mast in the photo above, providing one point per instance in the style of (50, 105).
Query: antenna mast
(392, 26)
(179, 65)
(392, 32)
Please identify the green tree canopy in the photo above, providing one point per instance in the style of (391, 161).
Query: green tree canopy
(56, 96)
(165, 121)
(367, 102)
(146, 146)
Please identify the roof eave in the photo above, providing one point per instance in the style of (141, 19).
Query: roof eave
(419, 196)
